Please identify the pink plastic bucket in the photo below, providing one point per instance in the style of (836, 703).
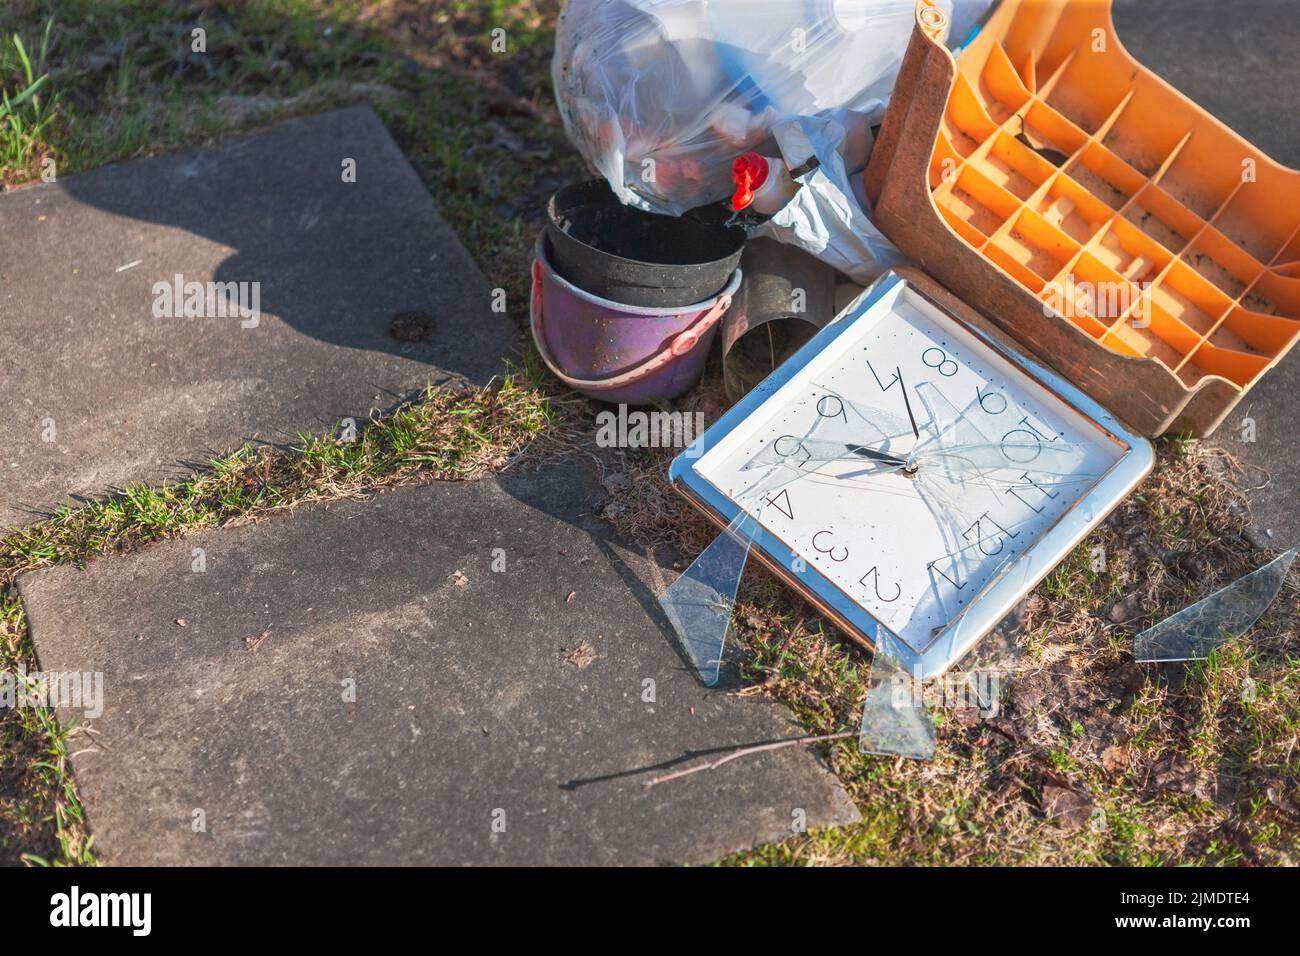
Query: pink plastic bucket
(621, 353)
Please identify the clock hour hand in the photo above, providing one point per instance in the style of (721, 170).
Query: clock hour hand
(874, 455)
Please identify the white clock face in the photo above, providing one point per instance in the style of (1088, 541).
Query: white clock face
(910, 464)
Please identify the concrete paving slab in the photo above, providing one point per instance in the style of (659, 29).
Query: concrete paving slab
(480, 696)
(1238, 62)
(104, 381)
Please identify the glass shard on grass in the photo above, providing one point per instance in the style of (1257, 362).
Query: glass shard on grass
(1195, 631)
(894, 716)
(699, 602)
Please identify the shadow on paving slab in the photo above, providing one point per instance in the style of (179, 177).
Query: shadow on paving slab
(139, 391)
(325, 252)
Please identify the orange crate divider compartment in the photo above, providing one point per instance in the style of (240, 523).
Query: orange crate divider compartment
(1275, 293)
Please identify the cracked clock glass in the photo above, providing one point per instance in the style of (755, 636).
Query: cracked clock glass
(910, 465)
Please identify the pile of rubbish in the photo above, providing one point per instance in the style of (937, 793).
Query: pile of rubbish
(709, 119)
(682, 103)
(728, 140)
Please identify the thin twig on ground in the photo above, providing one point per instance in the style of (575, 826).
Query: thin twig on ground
(745, 752)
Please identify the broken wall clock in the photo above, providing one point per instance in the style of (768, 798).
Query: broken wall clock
(908, 471)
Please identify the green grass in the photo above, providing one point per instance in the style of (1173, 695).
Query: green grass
(26, 113)
(447, 435)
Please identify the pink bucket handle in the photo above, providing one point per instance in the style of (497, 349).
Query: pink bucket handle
(682, 343)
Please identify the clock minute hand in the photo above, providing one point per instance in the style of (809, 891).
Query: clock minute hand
(907, 402)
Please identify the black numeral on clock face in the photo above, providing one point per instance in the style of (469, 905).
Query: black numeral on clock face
(893, 380)
(933, 566)
(984, 536)
(874, 575)
(788, 446)
(993, 402)
(937, 359)
(1021, 446)
(781, 502)
(1025, 443)
(831, 550)
(1026, 423)
(832, 406)
(1028, 488)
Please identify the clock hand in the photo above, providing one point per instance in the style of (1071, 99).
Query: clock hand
(957, 451)
(874, 455)
(903, 386)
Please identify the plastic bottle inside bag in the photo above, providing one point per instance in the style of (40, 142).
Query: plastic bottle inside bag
(763, 184)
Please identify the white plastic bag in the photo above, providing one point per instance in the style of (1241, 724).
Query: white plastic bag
(661, 96)
(827, 216)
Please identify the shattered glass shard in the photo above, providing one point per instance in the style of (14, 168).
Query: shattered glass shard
(699, 602)
(1195, 631)
(894, 716)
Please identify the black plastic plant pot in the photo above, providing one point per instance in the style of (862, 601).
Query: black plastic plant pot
(639, 258)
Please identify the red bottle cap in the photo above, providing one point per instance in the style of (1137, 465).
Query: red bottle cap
(748, 172)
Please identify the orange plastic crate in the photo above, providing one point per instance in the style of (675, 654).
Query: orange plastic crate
(1047, 167)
